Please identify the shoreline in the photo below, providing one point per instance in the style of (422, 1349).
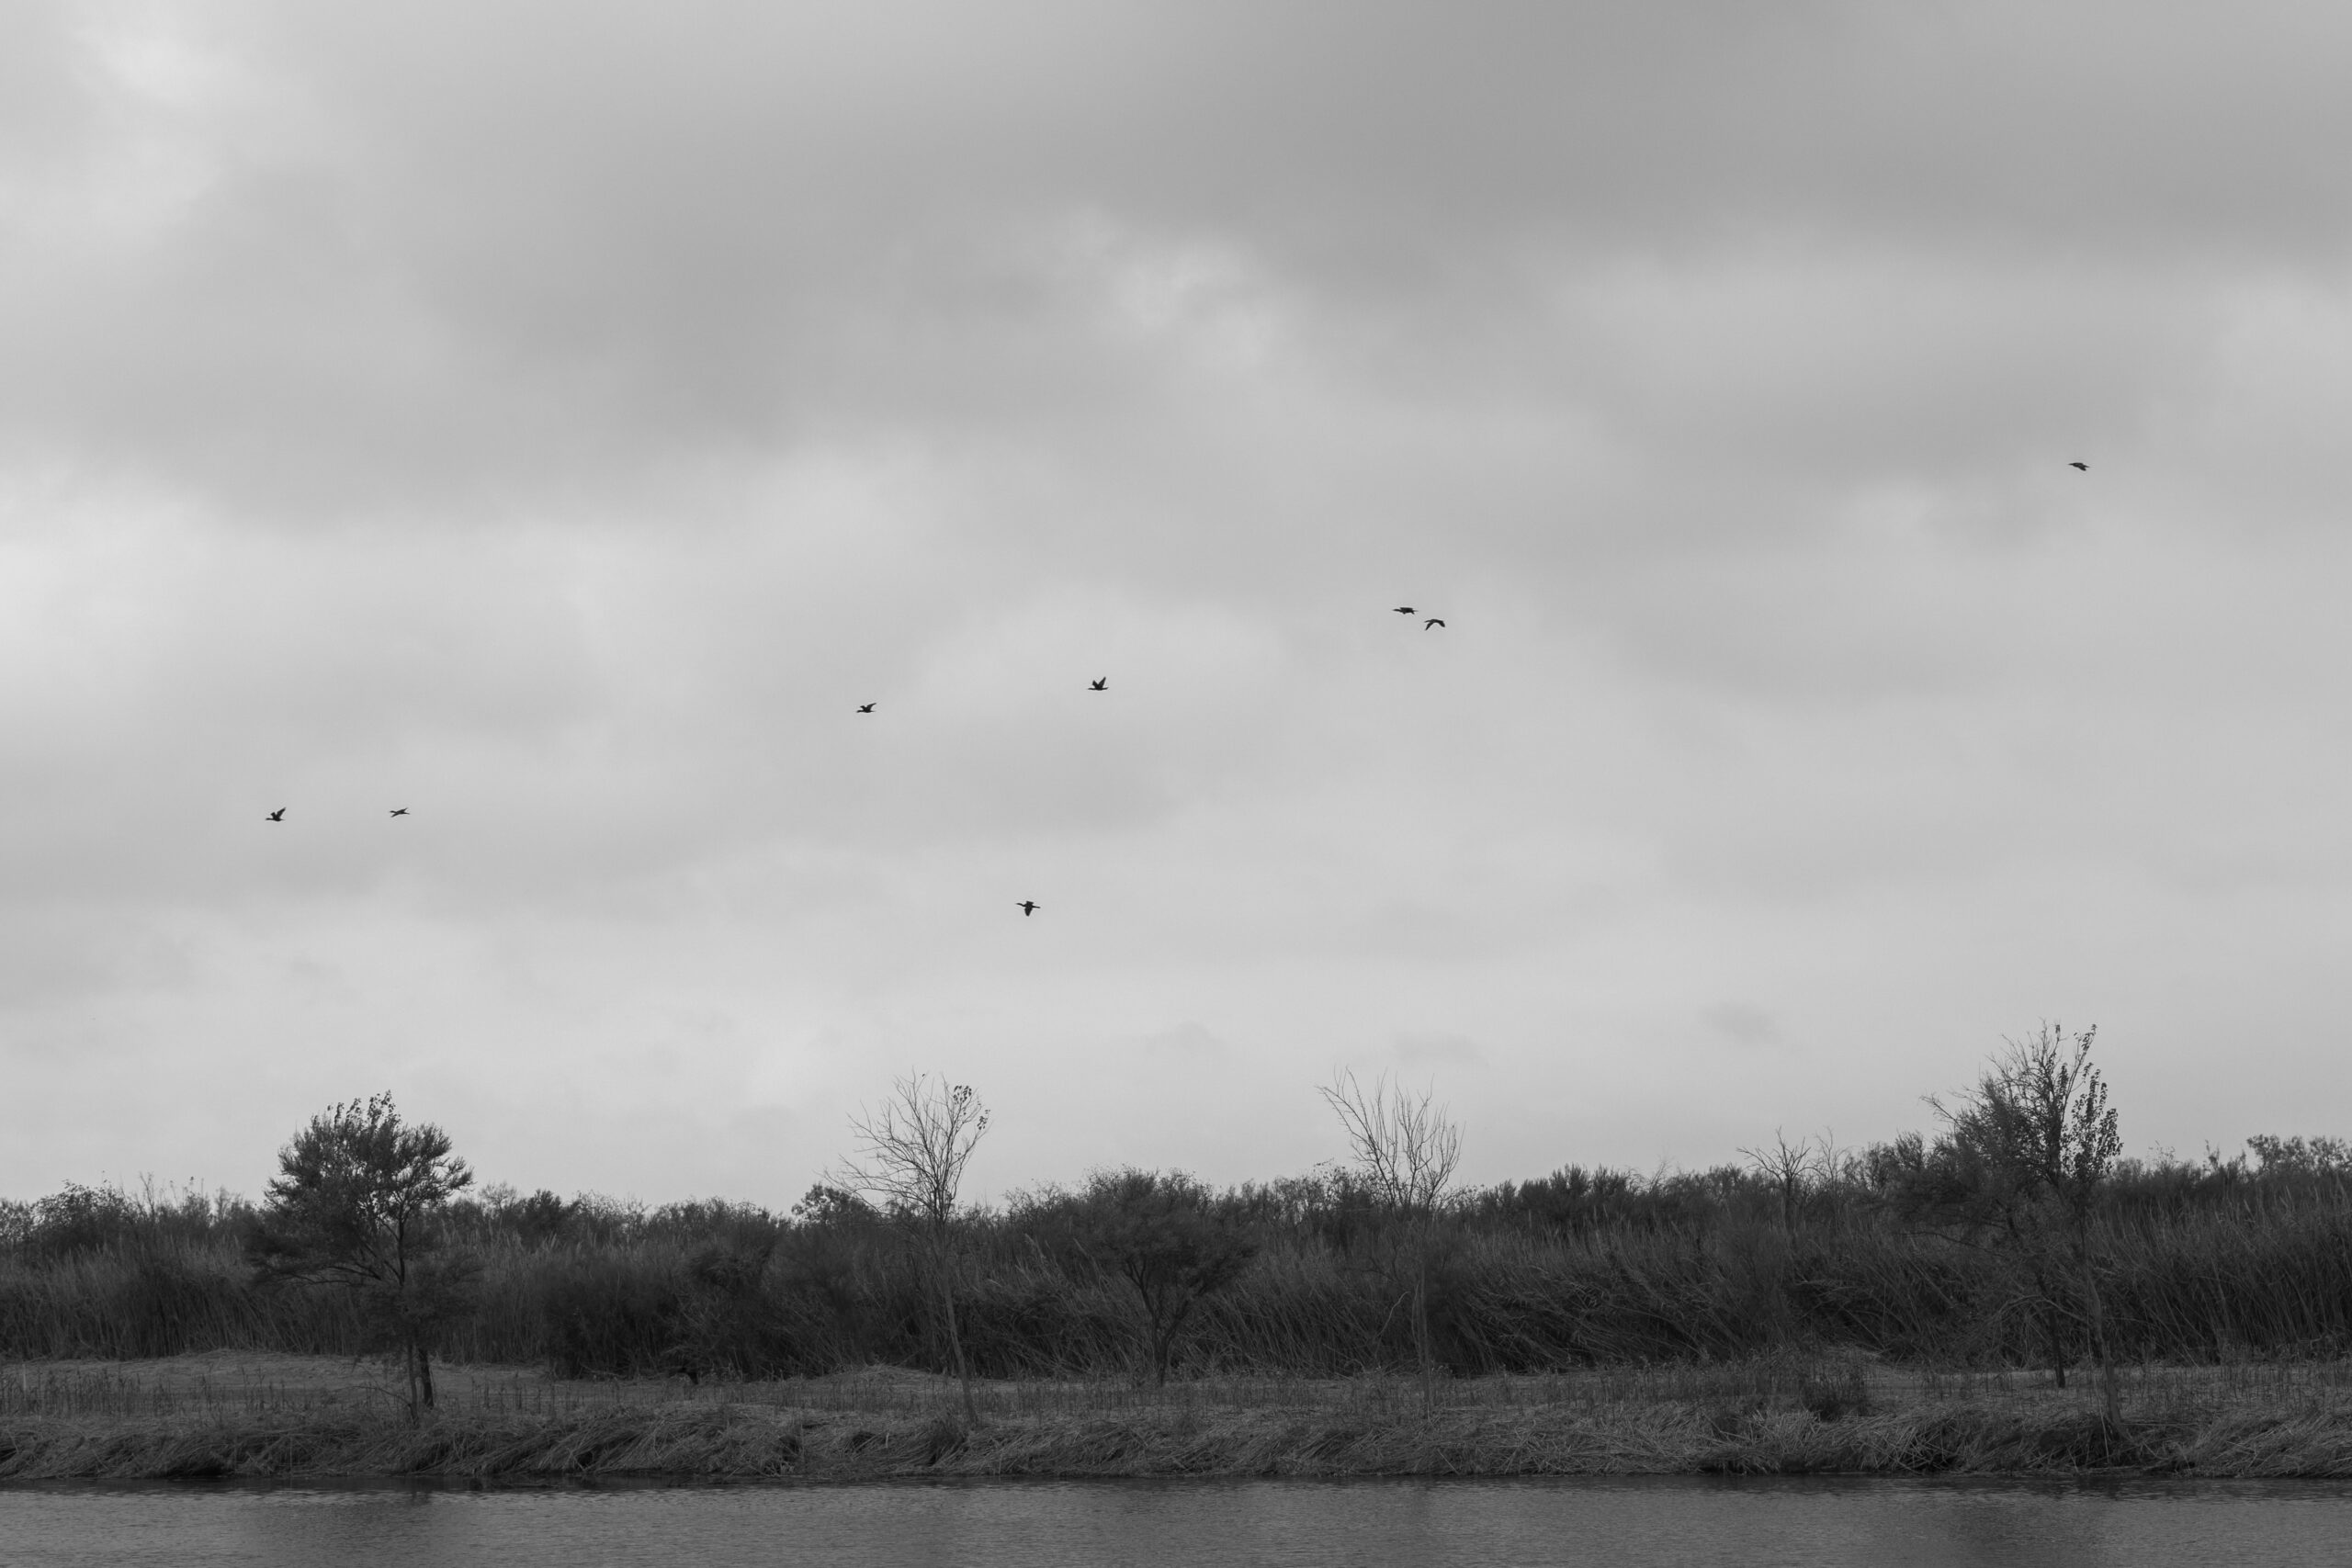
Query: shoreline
(83, 1421)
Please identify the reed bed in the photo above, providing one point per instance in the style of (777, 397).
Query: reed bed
(1307, 1306)
(2212, 1264)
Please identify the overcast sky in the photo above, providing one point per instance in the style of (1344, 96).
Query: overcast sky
(556, 418)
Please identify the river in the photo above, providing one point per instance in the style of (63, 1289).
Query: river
(1627, 1523)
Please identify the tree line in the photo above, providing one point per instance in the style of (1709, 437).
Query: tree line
(2012, 1231)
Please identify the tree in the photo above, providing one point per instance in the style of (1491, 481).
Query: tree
(911, 1155)
(2024, 1156)
(355, 1204)
(1404, 1151)
(1795, 1170)
(1166, 1236)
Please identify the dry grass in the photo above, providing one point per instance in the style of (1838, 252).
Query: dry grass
(2196, 1264)
(288, 1415)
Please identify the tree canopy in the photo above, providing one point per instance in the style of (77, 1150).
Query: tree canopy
(354, 1205)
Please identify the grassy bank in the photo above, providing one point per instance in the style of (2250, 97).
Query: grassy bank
(296, 1417)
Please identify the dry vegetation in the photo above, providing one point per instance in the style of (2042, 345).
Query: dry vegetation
(1584, 1325)
(281, 1416)
(2196, 1264)
(1912, 1307)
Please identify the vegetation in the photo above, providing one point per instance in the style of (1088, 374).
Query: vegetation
(355, 1206)
(2014, 1235)
(1404, 1151)
(259, 1416)
(911, 1155)
(2026, 1154)
(1171, 1238)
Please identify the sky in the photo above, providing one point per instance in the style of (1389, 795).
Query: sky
(556, 418)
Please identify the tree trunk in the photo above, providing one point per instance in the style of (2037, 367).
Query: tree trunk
(1421, 1322)
(956, 1339)
(2105, 1360)
(2053, 1332)
(1421, 1341)
(408, 1365)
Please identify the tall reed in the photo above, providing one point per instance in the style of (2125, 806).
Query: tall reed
(2199, 1263)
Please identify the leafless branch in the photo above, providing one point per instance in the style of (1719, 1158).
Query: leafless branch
(1405, 1147)
(912, 1150)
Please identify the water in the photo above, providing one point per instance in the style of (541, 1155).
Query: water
(1395, 1524)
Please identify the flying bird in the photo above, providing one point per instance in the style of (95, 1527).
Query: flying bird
(1102, 685)
(279, 815)
(866, 708)
(400, 811)
(1432, 621)
(2085, 467)
(1028, 907)
(1404, 609)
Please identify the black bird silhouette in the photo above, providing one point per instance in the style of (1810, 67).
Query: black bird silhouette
(1028, 907)
(400, 811)
(866, 708)
(1432, 621)
(279, 815)
(1102, 685)
(1404, 609)
(2085, 467)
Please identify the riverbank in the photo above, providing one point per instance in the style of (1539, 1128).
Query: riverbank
(279, 1416)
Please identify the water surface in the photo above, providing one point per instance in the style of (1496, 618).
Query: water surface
(1629, 1523)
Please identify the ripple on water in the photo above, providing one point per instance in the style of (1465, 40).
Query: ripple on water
(1624, 1523)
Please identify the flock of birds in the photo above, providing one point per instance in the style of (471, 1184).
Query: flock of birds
(1102, 683)
(279, 815)
(1029, 907)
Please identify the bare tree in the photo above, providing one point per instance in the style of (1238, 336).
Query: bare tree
(1405, 1149)
(911, 1155)
(2025, 1154)
(1794, 1169)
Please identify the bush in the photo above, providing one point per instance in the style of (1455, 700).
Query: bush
(2198, 1261)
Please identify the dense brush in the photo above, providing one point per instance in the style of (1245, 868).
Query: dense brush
(2195, 1264)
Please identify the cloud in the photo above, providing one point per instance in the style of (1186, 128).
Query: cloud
(429, 263)
(1743, 1025)
(557, 418)
(1187, 1040)
(1452, 1049)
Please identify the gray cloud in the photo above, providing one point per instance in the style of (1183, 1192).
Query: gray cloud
(1743, 1025)
(326, 262)
(1457, 1050)
(555, 419)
